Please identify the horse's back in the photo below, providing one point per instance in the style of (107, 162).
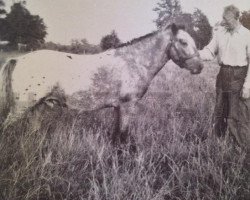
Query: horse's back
(37, 73)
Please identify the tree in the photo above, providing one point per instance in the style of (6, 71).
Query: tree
(22, 27)
(2, 20)
(89, 48)
(110, 41)
(83, 47)
(2, 10)
(76, 47)
(245, 19)
(166, 9)
(202, 28)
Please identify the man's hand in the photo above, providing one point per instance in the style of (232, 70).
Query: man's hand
(245, 92)
(205, 54)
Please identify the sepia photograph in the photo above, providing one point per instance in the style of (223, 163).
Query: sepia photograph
(124, 100)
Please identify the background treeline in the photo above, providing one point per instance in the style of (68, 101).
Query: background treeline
(19, 26)
(20, 30)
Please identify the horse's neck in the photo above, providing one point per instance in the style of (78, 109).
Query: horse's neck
(149, 54)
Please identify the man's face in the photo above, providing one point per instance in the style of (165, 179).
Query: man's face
(229, 21)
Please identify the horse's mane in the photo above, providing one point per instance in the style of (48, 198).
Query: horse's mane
(148, 35)
(135, 40)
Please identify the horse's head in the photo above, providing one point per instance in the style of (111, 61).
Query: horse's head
(182, 50)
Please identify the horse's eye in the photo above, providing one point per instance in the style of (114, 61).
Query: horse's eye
(183, 42)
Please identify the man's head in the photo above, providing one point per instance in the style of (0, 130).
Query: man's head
(231, 16)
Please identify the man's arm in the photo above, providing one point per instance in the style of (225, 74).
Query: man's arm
(246, 86)
(209, 51)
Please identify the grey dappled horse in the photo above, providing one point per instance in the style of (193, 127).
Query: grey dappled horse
(111, 79)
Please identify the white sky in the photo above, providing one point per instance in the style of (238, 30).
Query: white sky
(92, 19)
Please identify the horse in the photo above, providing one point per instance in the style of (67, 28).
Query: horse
(112, 79)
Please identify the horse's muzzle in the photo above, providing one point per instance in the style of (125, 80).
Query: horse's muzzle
(197, 70)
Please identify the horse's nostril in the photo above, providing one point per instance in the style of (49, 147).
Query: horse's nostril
(193, 71)
(196, 71)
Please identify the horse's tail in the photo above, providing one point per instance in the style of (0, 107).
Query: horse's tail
(6, 93)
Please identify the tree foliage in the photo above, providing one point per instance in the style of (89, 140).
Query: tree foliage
(2, 20)
(83, 47)
(197, 24)
(245, 19)
(203, 30)
(110, 41)
(2, 10)
(77, 46)
(22, 27)
(166, 9)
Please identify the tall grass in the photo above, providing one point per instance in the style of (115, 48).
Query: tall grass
(71, 157)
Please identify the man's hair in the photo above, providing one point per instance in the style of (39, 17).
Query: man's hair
(234, 10)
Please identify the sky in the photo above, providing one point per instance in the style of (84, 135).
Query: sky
(93, 19)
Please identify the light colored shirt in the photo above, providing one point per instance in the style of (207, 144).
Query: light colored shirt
(230, 48)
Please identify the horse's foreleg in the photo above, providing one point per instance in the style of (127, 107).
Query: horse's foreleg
(115, 137)
(121, 125)
(123, 118)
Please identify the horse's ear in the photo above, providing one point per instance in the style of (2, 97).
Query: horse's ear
(174, 29)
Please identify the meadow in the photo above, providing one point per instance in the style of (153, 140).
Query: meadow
(177, 157)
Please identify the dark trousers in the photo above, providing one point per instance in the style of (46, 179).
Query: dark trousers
(231, 112)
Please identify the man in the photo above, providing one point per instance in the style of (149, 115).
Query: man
(231, 45)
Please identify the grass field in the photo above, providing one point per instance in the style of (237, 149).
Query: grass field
(177, 157)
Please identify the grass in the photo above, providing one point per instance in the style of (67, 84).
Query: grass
(177, 157)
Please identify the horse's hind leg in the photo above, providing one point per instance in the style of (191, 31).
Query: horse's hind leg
(47, 110)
